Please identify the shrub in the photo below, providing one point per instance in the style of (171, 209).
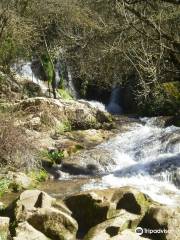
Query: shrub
(16, 152)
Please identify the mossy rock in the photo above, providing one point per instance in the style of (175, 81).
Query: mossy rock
(131, 200)
(172, 99)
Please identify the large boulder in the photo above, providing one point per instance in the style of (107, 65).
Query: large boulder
(131, 200)
(46, 215)
(88, 209)
(163, 222)
(113, 226)
(54, 223)
(93, 161)
(94, 207)
(25, 231)
(4, 228)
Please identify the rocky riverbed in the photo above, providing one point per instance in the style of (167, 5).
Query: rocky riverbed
(119, 213)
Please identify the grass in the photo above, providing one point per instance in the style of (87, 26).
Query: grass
(63, 127)
(4, 186)
(39, 175)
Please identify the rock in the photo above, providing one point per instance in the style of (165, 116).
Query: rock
(88, 209)
(52, 111)
(19, 180)
(25, 231)
(30, 200)
(128, 235)
(4, 228)
(101, 205)
(91, 137)
(93, 161)
(131, 200)
(31, 89)
(45, 214)
(113, 227)
(54, 223)
(163, 219)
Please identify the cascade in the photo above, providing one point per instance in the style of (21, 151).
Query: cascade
(146, 157)
(114, 104)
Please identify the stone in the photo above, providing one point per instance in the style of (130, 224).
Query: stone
(29, 200)
(54, 223)
(128, 235)
(19, 180)
(131, 200)
(25, 231)
(4, 228)
(164, 219)
(46, 215)
(94, 161)
(113, 226)
(88, 209)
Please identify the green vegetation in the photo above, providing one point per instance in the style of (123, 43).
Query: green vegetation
(4, 186)
(39, 175)
(105, 43)
(64, 94)
(53, 157)
(63, 127)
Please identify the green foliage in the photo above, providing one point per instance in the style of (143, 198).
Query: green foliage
(56, 156)
(39, 175)
(48, 68)
(64, 94)
(4, 186)
(53, 157)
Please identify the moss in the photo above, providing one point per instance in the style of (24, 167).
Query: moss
(47, 66)
(64, 94)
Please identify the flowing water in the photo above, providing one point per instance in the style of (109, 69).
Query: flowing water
(24, 71)
(146, 157)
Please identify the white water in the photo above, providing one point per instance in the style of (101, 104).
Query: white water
(94, 104)
(113, 106)
(24, 71)
(146, 157)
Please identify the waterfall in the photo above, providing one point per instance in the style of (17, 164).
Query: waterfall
(114, 105)
(24, 71)
(146, 157)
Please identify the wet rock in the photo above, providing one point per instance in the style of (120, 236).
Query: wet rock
(94, 161)
(91, 137)
(4, 228)
(94, 207)
(25, 231)
(113, 227)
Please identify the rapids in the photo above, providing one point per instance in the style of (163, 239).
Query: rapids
(147, 157)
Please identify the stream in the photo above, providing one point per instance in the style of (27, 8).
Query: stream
(146, 156)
